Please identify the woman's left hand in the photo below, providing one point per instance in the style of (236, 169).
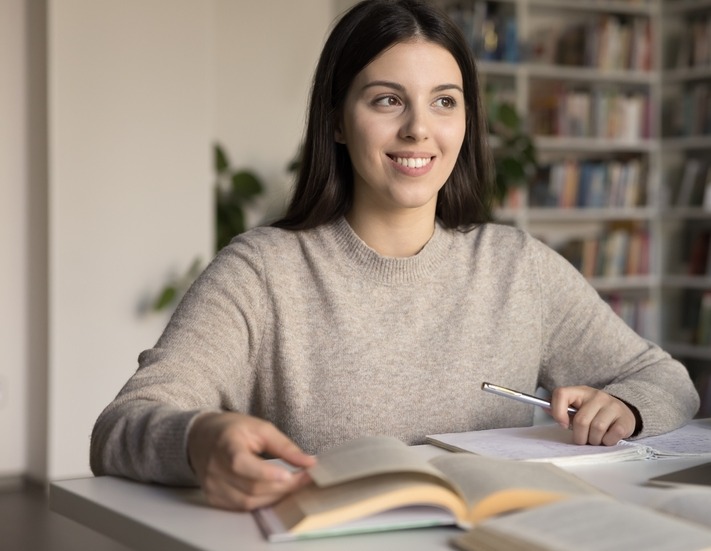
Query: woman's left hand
(601, 419)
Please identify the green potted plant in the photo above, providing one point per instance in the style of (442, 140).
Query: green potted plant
(515, 155)
(235, 189)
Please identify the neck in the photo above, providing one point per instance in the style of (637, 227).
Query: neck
(394, 236)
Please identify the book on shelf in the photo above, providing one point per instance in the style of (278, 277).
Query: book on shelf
(632, 125)
(570, 46)
(637, 312)
(706, 201)
(703, 331)
(689, 116)
(607, 42)
(641, 56)
(603, 114)
(379, 483)
(702, 382)
(577, 114)
(589, 257)
(700, 40)
(691, 183)
(590, 184)
(587, 524)
(622, 250)
(691, 46)
(491, 32)
(551, 443)
(638, 254)
(616, 249)
(699, 253)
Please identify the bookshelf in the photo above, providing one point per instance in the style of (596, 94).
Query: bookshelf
(686, 213)
(617, 94)
(585, 76)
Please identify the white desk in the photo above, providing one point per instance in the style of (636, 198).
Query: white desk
(148, 517)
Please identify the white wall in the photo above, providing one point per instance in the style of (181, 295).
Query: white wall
(130, 123)
(108, 191)
(13, 239)
(265, 55)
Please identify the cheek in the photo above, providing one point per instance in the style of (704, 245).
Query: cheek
(366, 140)
(451, 140)
(456, 132)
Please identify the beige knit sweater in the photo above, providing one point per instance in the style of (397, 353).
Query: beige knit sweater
(316, 332)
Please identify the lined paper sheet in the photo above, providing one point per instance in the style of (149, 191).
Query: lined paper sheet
(555, 444)
(691, 439)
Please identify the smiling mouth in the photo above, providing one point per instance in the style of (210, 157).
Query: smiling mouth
(412, 162)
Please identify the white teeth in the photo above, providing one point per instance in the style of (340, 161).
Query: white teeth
(412, 162)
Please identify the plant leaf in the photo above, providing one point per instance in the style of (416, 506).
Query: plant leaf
(166, 297)
(221, 161)
(508, 116)
(245, 184)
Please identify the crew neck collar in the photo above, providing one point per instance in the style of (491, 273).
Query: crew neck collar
(391, 269)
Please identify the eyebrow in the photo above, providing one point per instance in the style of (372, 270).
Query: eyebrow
(401, 88)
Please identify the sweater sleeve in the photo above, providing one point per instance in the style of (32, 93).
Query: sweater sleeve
(586, 343)
(200, 363)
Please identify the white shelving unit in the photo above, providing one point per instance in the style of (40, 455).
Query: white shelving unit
(539, 25)
(668, 292)
(687, 65)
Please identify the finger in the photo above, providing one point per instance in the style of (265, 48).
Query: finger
(581, 428)
(246, 472)
(610, 423)
(600, 425)
(616, 432)
(262, 495)
(561, 399)
(277, 444)
(622, 427)
(253, 468)
(582, 422)
(254, 487)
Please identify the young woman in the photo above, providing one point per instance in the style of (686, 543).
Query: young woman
(382, 299)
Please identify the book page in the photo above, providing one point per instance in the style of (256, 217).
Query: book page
(402, 518)
(537, 443)
(367, 456)
(586, 524)
(313, 508)
(691, 503)
(519, 483)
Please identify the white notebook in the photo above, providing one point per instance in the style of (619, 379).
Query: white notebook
(554, 444)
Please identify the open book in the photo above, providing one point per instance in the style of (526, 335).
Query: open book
(689, 502)
(586, 524)
(373, 475)
(553, 444)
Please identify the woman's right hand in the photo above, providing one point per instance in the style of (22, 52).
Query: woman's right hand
(224, 451)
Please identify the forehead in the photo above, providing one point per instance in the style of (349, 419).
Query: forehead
(417, 61)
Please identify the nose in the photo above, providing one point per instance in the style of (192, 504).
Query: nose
(415, 124)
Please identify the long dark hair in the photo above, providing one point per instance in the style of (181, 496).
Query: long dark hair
(324, 186)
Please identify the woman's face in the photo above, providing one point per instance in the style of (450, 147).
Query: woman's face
(403, 123)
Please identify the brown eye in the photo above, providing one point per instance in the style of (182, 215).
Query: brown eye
(446, 102)
(387, 101)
